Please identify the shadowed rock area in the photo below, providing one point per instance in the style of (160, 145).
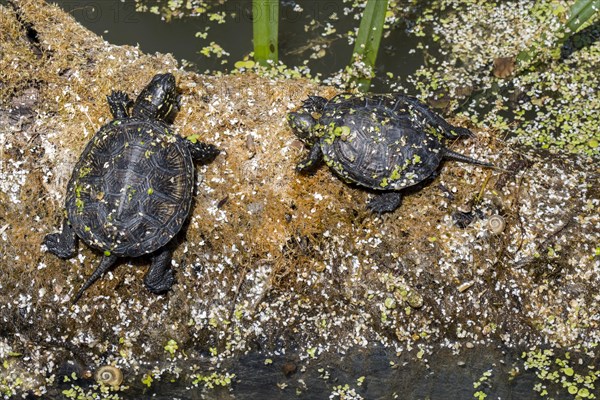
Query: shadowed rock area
(284, 276)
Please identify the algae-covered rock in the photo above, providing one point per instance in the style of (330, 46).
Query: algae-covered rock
(270, 260)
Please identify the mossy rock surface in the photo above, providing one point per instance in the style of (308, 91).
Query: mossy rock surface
(271, 260)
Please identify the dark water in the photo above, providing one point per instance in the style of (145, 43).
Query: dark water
(438, 376)
(119, 23)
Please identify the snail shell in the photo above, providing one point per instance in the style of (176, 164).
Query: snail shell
(496, 224)
(109, 375)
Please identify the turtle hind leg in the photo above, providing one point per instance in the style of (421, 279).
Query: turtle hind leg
(460, 132)
(448, 154)
(64, 243)
(385, 202)
(159, 278)
(119, 104)
(106, 263)
(312, 162)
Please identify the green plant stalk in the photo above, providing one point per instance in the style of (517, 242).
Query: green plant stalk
(369, 38)
(265, 26)
(580, 12)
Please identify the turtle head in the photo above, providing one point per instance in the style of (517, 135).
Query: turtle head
(158, 100)
(303, 123)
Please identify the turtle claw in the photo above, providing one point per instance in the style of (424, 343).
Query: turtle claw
(62, 244)
(306, 167)
(311, 163)
(160, 284)
(202, 152)
(160, 278)
(119, 103)
(56, 244)
(384, 203)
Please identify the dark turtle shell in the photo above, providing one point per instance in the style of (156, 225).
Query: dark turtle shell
(378, 141)
(131, 189)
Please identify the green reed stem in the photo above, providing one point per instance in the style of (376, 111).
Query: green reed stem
(265, 25)
(368, 40)
(580, 12)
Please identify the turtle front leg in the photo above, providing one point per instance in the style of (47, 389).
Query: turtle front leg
(159, 278)
(119, 103)
(201, 152)
(385, 202)
(311, 163)
(64, 243)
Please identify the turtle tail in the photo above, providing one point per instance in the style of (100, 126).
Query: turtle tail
(106, 263)
(451, 155)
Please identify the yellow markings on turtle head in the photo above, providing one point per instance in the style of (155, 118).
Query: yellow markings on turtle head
(168, 110)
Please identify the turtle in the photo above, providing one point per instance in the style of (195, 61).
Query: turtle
(131, 190)
(381, 142)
